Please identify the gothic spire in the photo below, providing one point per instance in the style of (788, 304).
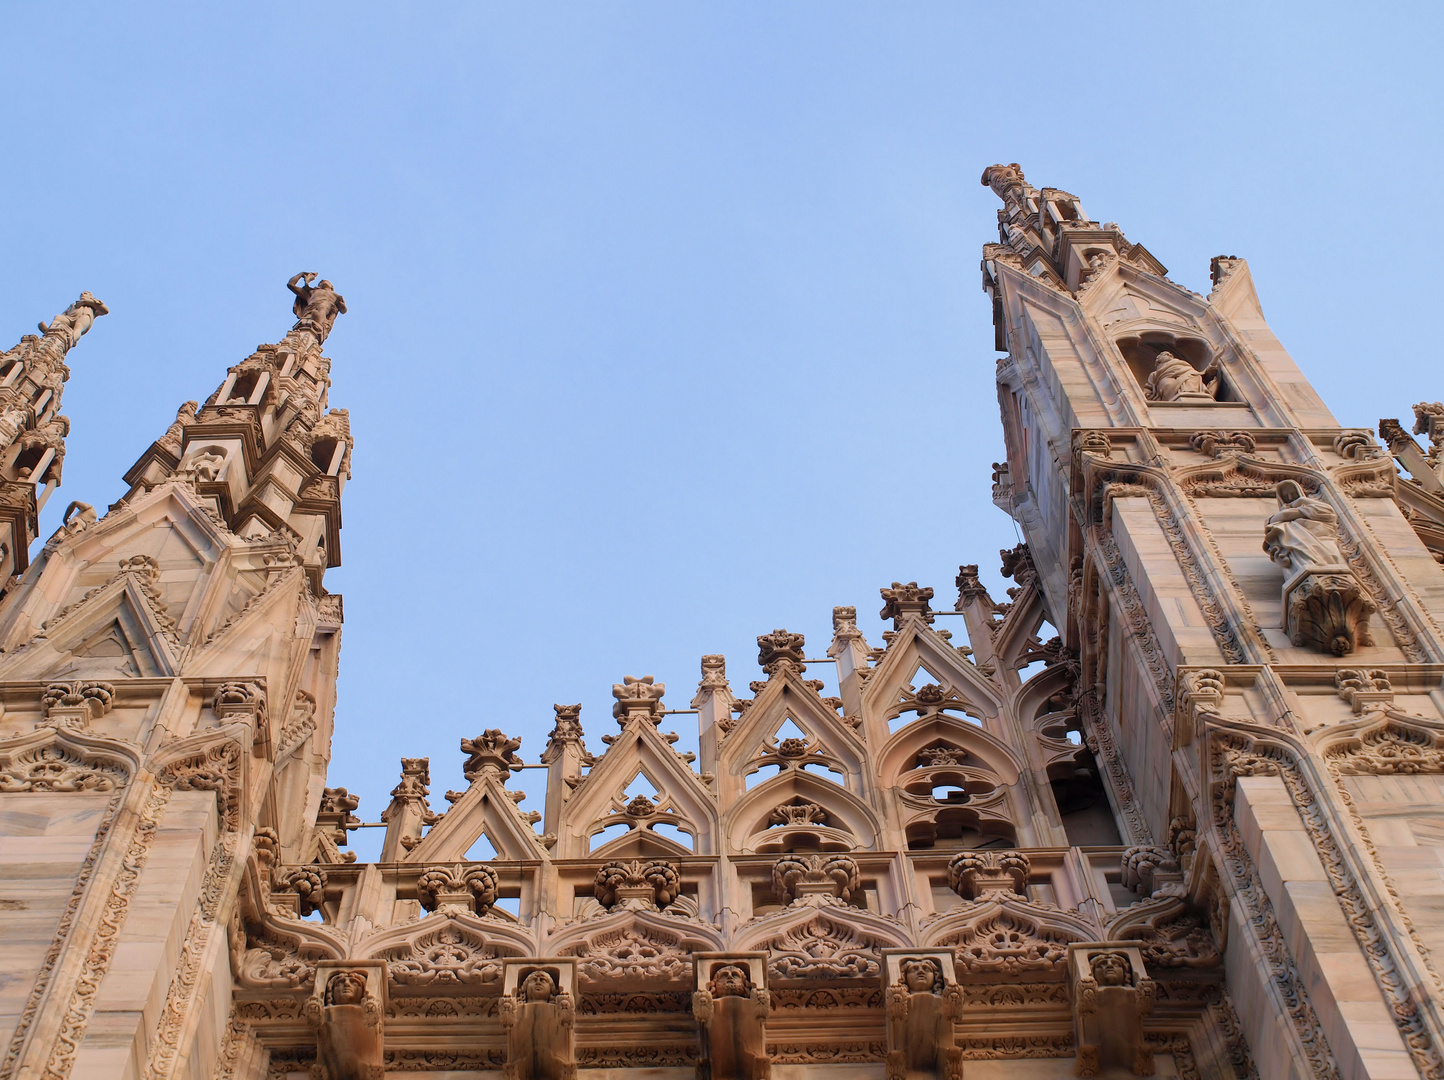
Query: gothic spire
(264, 450)
(32, 429)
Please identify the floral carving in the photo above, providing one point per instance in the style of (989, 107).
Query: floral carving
(979, 875)
(71, 704)
(1002, 942)
(823, 948)
(490, 751)
(461, 887)
(901, 600)
(822, 878)
(779, 650)
(216, 768)
(1214, 443)
(449, 956)
(636, 952)
(637, 884)
(58, 768)
(307, 882)
(638, 697)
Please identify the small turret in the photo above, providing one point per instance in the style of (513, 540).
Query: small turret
(32, 430)
(263, 448)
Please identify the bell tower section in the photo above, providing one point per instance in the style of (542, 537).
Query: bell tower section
(1256, 612)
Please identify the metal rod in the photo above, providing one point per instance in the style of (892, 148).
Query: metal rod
(673, 712)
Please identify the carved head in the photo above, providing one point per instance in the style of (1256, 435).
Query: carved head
(1163, 359)
(538, 987)
(1111, 969)
(922, 975)
(346, 988)
(1289, 492)
(730, 980)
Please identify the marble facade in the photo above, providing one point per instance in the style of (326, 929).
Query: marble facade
(1173, 809)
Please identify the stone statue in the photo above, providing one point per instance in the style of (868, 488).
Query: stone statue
(732, 1015)
(1303, 534)
(1325, 607)
(1005, 180)
(921, 1010)
(74, 321)
(539, 1022)
(1111, 996)
(318, 304)
(349, 1043)
(1175, 379)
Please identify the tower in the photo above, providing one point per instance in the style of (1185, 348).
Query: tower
(1172, 806)
(1255, 598)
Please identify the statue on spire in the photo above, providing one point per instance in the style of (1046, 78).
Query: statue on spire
(317, 304)
(1005, 180)
(75, 320)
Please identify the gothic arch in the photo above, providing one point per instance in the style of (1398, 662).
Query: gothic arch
(448, 950)
(1011, 938)
(639, 949)
(916, 646)
(898, 754)
(485, 807)
(63, 759)
(638, 749)
(822, 943)
(746, 823)
(786, 698)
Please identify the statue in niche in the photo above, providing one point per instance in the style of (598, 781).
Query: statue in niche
(1325, 605)
(921, 1010)
(319, 303)
(1303, 534)
(1111, 996)
(539, 1022)
(1175, 379)
(732, 1015)
(349, 1043)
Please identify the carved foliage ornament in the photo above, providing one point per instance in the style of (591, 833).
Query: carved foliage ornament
(981, 875)
(449, 956)
(458, 888)
(819, 878)
(824, 948)
(637, 884)
(56, 767)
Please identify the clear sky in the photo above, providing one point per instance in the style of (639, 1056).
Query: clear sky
(665, 324)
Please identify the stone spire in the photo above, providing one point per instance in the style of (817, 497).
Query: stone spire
(32, 430)
(1051, 235)
(263, 450)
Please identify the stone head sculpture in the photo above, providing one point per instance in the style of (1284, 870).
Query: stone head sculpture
(730, 980)
(922, 976)
(1111, 969)
(538, 987)
(346, 988)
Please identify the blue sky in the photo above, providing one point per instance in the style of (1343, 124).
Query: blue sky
(665, 324)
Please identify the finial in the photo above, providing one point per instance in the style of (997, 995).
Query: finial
(638, 697)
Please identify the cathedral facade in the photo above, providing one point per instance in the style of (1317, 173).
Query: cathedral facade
(1174, 806)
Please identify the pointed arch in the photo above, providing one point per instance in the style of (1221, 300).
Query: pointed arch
(635, 946)
(899, 754)
(822, 944)
(486, 807)
(786, 697)
(847, 819)
(1037, 938)
(64, 759)
(451, 950)
(915, 646)
(594, 804)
